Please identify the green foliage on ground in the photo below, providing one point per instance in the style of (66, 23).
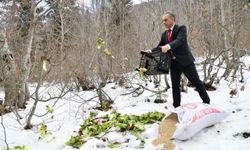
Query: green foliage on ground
(97, 126)
(17, 147)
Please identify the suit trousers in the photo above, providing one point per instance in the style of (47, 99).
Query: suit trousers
(191, 73)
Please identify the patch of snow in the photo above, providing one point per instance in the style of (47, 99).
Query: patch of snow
(70, 111)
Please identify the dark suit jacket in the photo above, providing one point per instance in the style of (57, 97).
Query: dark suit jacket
(178, 44)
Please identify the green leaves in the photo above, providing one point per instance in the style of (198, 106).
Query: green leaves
(142, 71)
(18, 147)
(75, 141)
(121, 126)
(49, 109)
(100, 43)
(43, 132)
(139, 126)
(93, 114)
(105, 104)
(114, 145)
(95, 127)
(107, 52)
(22, 147)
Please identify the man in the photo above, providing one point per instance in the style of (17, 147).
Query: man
(174, 40)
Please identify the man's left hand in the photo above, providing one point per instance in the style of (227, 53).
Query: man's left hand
(165, 48)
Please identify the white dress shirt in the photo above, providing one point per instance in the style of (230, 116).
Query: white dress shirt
(170, 34)
(167, 37)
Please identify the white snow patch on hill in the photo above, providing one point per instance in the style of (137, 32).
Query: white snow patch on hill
(69, 114)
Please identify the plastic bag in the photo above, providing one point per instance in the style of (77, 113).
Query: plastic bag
(193, 117)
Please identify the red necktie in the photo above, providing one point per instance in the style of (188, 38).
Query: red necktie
(169, 40)
(169, 35)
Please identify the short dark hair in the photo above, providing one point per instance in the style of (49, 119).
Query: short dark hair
(170, 14)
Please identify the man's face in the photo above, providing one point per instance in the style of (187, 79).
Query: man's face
(168, 21)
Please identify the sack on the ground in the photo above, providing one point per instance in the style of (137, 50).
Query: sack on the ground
(193, 117)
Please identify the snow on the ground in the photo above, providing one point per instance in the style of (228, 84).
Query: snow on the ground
(70, 112)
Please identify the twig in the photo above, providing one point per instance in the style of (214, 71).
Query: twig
(130, 92)
(4, 132)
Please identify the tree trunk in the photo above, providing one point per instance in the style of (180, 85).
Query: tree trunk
(32, 111)
(8, 73)
(25, 61)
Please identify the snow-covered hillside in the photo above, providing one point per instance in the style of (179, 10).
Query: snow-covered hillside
(70, 111)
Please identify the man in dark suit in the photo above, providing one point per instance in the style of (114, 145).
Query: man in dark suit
(174, 40)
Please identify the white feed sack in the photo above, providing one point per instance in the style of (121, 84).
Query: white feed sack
(193, 117)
